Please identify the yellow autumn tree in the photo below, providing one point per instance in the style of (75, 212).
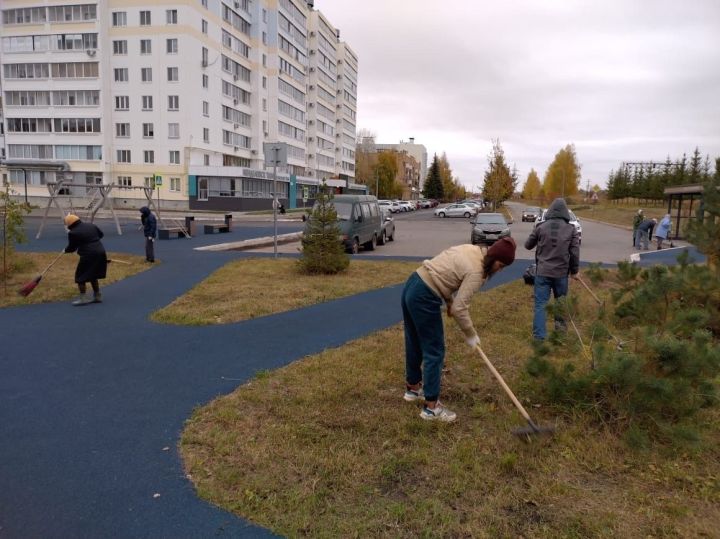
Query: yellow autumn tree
(562, 178)
(532, 188)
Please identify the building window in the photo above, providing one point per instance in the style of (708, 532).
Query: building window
(264, 82)
(172, 46)
(122, 102)
(206, 134)
(120, 47)
(121, 74)
(145, 18)
(172, 74)
(119, 18)
(148, 131)
(204, 26)
(173, 102)
(171, 16)
(264, 105)
(173, 130)
(204, 56)
(205, 81)
(206, 108)
(264, 38)
(124, 181)
(174, 157)
(123, 156)
(147, 102)
(204, 3)
(206, 160)
(122, 130)
(145, 46)
(175, 184)
(264, 60)
(149, 156)
(146, 74)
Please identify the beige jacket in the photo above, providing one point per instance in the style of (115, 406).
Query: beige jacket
(457, 270)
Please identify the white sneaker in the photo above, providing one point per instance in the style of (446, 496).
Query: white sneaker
(439, 413)
(412, 395)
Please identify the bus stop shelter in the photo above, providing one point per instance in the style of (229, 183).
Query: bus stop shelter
(681, 199)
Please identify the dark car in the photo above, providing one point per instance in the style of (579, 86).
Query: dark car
(487, 228)
(388, 228)
(531, 213)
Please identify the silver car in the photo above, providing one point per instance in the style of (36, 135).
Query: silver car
(574, 221)
(456, 210)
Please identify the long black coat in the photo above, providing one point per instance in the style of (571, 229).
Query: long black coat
(85, 239)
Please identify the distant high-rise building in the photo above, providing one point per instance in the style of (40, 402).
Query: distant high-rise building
(109, 92)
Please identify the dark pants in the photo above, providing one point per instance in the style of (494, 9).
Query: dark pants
(150, 249)
(543, 286)
(424, 336)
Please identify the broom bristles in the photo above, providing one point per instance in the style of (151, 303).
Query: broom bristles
(29, 287)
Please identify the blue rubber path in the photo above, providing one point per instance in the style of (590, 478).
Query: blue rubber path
(93, 399)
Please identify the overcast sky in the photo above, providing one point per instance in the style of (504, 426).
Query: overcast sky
(620, 79)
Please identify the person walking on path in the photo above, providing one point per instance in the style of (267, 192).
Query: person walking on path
(149, 224)
(452, 277)
(663, 231)
(92, 266)
(557, 251)
(643, 234)
(636, 223)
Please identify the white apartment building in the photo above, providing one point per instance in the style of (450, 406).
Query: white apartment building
(119, 92)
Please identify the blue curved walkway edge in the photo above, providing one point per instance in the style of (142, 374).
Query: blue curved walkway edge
(93, 399)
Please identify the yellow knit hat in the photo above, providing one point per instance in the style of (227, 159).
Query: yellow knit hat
(70, 219)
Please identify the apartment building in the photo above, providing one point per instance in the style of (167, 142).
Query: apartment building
(122, 92)
(418, 151)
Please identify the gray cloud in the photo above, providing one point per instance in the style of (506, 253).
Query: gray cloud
(621, 79)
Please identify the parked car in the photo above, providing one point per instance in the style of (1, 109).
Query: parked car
(531, 213)
(456, 210)
(388, 228)
(424, 203)
(358, 220)
(386, 205)
(573, 221)
(407, 205)
(488, 228)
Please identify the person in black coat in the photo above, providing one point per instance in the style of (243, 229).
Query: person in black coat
(85, 239)
(149, 224)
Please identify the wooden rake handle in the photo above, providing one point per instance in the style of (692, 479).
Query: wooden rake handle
(589, 290)
(507, 389)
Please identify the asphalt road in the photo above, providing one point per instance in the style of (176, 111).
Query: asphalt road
(422, 234)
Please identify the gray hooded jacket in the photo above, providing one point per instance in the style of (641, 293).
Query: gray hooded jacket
(557, 241)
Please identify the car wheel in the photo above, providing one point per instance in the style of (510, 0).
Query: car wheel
(382, 239)
(355, 249)
(466, 214)
(441, 214)
(370, 245)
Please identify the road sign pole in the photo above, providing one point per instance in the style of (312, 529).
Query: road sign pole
(275, 200)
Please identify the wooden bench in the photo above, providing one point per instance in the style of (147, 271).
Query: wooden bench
(220, 227)
(173, 232)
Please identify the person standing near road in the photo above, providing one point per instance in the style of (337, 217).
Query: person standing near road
(557, 251)
(452, 277)
(149, 224)
(663, 231)
(636, 223)
(85, 239)
(644, 232)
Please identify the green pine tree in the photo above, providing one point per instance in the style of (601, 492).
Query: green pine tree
(322, 250)
(433, 187)
(704, 231)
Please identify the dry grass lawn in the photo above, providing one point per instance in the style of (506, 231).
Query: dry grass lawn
(59, 283)
(256, 287)
(618, 214)
(326, 447)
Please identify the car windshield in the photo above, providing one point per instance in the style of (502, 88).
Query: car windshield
(343, 209)
(532, 209)
(490, 219)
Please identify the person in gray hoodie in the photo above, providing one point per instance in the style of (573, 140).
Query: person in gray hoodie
(557, 251)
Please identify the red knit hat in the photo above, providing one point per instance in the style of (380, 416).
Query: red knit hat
(503, 250)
